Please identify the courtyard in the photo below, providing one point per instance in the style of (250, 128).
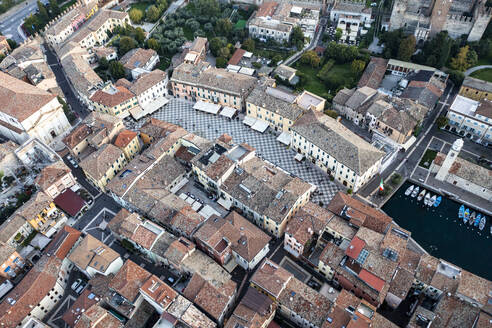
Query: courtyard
(181, 112)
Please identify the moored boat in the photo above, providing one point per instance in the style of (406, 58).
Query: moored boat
(472, 218)
(415, 192)
(483, 221)
(421, 195)
(409, 190)
(477, 220)
(461, 212)
(438, 201)
(432, 200)
(427, 199)
(466, 215)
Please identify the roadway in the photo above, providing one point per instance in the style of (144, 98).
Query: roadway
(11, 21)
(407, 161)
(80, 110)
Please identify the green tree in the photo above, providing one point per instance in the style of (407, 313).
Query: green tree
(223, 26)
(249, 45)
(331, 113)
(139, 35)
(224, 52)
(207, 8)
(338, 34)
(297, 37)
(136, 15)
(153, 44)
(192, 24)
(221, 62)
(462, 60)
(116, 69)
(55, 9)
(126, 44)
(152, 14)
(357, 66)
(442, 121)
(276, 59)
(32, 24)
(12, 43)
(392, 42)
(215, 44)
(103, 63)
(407, 48)
(310, 58)
(43, 13)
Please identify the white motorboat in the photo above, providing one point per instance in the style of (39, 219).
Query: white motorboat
(409, 190)
(421, 195)
(432, 201)
(427, 199)
(415, 192)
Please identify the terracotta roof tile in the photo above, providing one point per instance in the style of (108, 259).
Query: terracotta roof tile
(144, 237)
(124, 138)
(110, 98)
(159, 291)
(129, 279)
(51, 174)
(30, 291)
(21, 99)
(77, 135)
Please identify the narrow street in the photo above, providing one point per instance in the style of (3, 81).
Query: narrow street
(62, 81)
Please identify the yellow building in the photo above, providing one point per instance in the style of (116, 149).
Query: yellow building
(476, 89)
(279, 108)
(102, 165)
(37, 209)
(113, 100)
(129, 143)
(95, 31)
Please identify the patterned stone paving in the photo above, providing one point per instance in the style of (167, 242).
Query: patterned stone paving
(181, 112)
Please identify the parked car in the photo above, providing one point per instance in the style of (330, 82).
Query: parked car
(76, 284)
(170, 279)
(81, 288)
(74, 163)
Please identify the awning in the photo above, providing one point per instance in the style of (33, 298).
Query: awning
(40, 241)
(249, 121)
(69, 202)
(196, 206)
(228, 112)
(140, 111)
(225, 203)
(260, 126)
(284, 138)
(206, 107)
(207, 211)
(299, 157)
(180, 185)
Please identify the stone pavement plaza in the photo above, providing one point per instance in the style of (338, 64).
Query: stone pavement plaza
(209, 126)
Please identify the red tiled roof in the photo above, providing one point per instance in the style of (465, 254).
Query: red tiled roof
(124, 138)
(370, 279)
(70, 237)
(81, 304)
(356, 245)
(70, 202)
(129, 279)
(236, 57)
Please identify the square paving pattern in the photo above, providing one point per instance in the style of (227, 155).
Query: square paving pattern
(181, 112)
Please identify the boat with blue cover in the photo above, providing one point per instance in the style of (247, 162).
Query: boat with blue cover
(466, 216)
(477, 220)
(461, 212)
(438, 201)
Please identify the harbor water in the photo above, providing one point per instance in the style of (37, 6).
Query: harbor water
(439, 231)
